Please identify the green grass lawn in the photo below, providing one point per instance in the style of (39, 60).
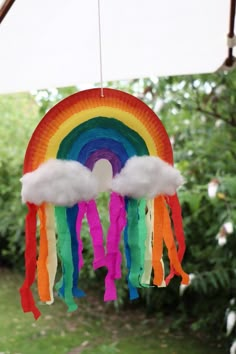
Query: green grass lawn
(93, 329)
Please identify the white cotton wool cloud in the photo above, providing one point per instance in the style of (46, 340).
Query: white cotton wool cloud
(147, 177)
(59, 182)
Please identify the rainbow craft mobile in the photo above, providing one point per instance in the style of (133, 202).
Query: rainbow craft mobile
(60, 186)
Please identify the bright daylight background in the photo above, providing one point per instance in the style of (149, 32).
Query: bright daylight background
(167, 54)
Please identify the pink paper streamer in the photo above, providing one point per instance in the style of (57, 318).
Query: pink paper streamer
(96, 232)
(114, 257)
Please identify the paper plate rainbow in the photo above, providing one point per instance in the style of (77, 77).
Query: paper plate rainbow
(86, 127)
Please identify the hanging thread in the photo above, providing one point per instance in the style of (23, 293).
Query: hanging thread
(100, 47)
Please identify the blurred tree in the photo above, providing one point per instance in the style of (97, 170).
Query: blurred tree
(19, 115)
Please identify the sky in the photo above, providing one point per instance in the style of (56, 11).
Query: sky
(55, 43)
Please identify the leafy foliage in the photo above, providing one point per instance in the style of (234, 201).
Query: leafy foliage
(19, 115)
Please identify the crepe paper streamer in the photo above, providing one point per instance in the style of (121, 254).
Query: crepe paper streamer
(142, 231)
(52, 251)
(114, 257)
(146, 277)
(96, 232)
(158, 241)
(69, 260)
(43, 276)
(71, 214)
(133, 292)
(136, 239)
(170, 244)
(173, 202)
(65, 285)
(90, 209)
(82, 211)
(27, 300)
(86, 128)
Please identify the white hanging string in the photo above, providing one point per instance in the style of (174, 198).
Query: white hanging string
(100, 47)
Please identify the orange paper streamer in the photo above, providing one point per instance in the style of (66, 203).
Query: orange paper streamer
(158, 240)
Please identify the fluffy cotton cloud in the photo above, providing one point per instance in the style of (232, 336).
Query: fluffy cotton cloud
(147, 176)
(59, 182)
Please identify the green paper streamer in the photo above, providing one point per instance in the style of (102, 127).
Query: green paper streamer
(137, 232)
(65, 255)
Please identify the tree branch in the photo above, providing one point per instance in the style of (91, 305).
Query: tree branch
(231, 121)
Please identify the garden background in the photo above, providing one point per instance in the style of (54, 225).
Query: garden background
(199, 114)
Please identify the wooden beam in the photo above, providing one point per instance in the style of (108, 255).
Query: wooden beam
(5, 8)
(230, 60)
